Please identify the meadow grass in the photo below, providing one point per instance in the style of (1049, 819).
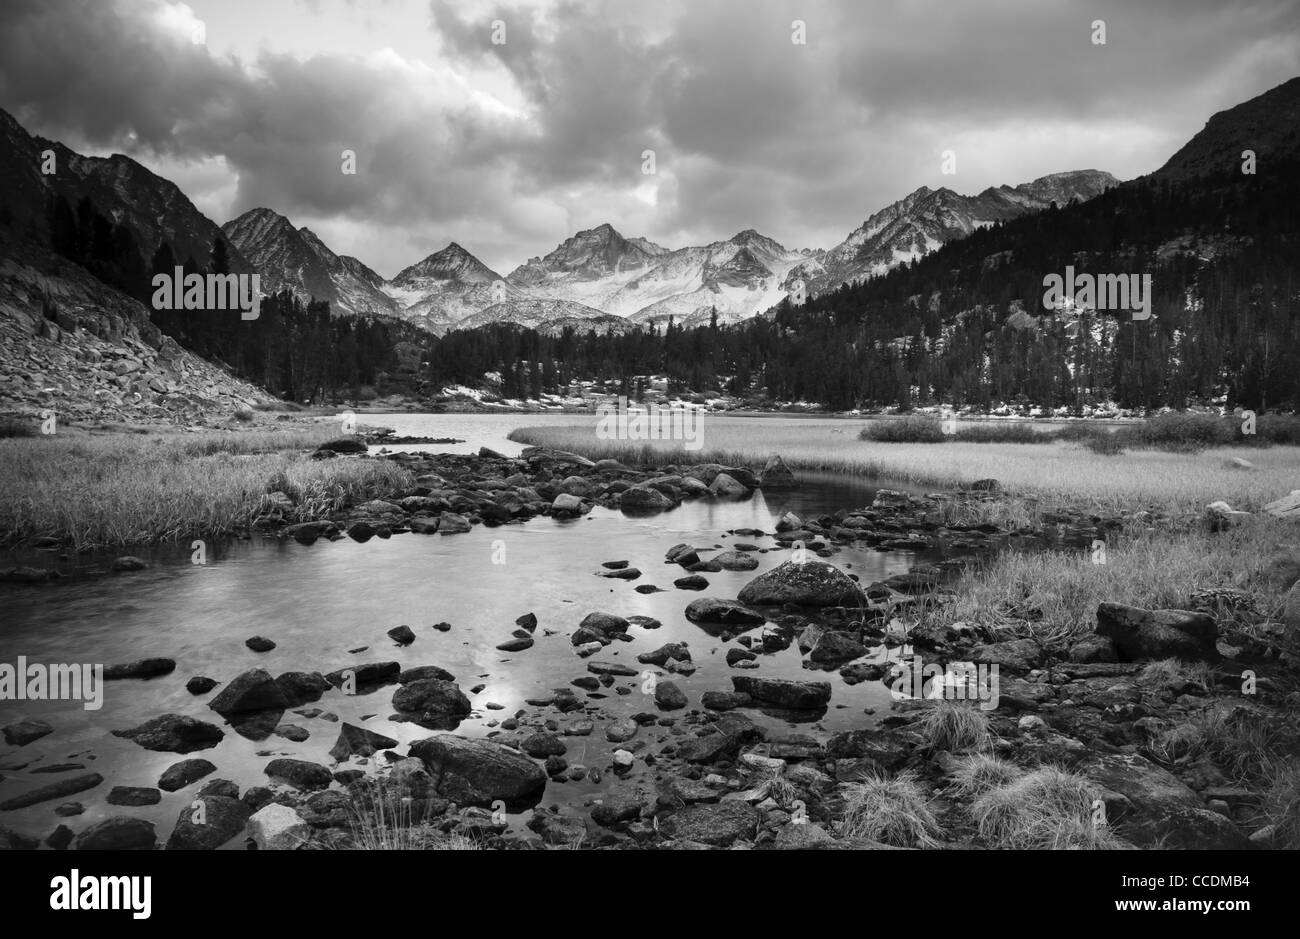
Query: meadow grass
(123, 489)
(1062, 472)
(1060, 590)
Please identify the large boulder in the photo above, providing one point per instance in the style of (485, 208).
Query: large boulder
(1157, 634)
(207, 823)
(782, 692)
(644, 499)
(1151, 807)
(725, 486)
(431, 701)
(812, 583)
(479, 772)
(253, 690)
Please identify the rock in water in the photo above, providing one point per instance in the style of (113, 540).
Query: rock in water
(55, 790)
(669, 696)
(812, 583)
(726, 487)
(795, 695)
(253, 690)
(119, 833)
(277, 827)
(300, 774)
(21, 733)
(478, 772)
(174, 733)
(179, 775)
(207, 823)
(776, 475)
(715, 610)
(431, 700)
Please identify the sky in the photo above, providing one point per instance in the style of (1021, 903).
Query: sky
(507, 127)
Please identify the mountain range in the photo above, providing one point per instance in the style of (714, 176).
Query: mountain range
(598, 276)
(594, 279)
(70, 226)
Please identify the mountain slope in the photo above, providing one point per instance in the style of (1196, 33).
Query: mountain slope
(153, 208)
(445, 288)
(1268, 124)
(295, 259)
(550, 316)
(928, 218)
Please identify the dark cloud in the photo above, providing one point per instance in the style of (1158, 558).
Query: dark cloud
(509, 148)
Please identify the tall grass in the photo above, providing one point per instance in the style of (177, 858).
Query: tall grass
(128, 489)
(381, 819)
(1060, 590)
(1059, 472)
(1177, 431)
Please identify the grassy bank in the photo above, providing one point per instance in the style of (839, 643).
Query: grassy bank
(1059, 472)
(1175, 431)
(122, 489)
(1059, 590)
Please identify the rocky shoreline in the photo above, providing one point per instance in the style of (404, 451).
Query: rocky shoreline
(1106, 710)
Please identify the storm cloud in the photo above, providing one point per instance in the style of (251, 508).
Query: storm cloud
(510, 146)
